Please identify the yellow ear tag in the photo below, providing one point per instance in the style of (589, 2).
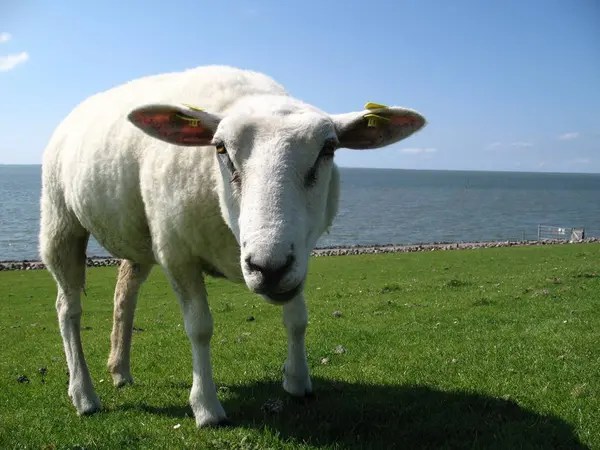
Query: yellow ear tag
(192, 107)
(374, 119)
(192, 121)
(371, 105)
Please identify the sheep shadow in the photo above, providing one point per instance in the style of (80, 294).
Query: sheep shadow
(353, 416)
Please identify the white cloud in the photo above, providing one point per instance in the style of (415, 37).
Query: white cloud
(569, 136)
(582, 161)
(418, 150)
(9, 62)
(493, 145)
(500, 146)
(521, 144)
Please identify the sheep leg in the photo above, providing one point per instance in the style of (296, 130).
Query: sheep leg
(63, 246)
(296, 376)
(198, 322)
(131, 276)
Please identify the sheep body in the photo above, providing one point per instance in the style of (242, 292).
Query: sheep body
(137, 169)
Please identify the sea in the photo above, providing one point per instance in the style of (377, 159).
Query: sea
(381, 206)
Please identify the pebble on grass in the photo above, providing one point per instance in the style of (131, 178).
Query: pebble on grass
(340, 349)
(337, 314)
(579, 390)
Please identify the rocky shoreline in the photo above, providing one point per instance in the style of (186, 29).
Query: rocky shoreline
(96, 261)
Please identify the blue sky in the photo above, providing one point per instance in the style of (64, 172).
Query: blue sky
(505, 85)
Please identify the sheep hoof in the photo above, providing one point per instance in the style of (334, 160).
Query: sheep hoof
(224, 423)
(220, 423)
(120, 381)
(308, 395)
(297, 385)
(89, 411)
(86, 406)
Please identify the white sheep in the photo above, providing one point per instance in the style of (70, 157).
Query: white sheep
(136, 167)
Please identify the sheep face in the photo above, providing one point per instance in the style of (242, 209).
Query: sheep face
(278, 185)
(276, 170)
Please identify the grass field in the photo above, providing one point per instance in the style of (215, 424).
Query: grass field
(490, 348)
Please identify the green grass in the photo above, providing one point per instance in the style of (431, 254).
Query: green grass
(489, 348)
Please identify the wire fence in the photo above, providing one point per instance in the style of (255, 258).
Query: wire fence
(549, 232)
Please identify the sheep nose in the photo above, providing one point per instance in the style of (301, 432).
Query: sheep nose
(271, 274)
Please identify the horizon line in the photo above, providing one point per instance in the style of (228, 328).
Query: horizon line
(401, 168)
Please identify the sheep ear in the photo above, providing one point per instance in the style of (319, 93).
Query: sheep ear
(377, 126)
(180, 125)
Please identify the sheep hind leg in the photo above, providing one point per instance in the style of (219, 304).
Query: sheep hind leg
(130, 278)
(63, 246)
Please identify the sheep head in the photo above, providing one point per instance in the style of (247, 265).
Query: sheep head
(278, 184)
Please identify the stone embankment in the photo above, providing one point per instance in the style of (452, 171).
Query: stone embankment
(335, 251)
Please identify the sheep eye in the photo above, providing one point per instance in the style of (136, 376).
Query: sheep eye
(327, 152)
(221, 148)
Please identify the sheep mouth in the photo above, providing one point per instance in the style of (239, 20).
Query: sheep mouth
(282, 297)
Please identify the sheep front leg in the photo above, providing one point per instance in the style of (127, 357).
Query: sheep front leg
(198, 322)
(296, 377)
